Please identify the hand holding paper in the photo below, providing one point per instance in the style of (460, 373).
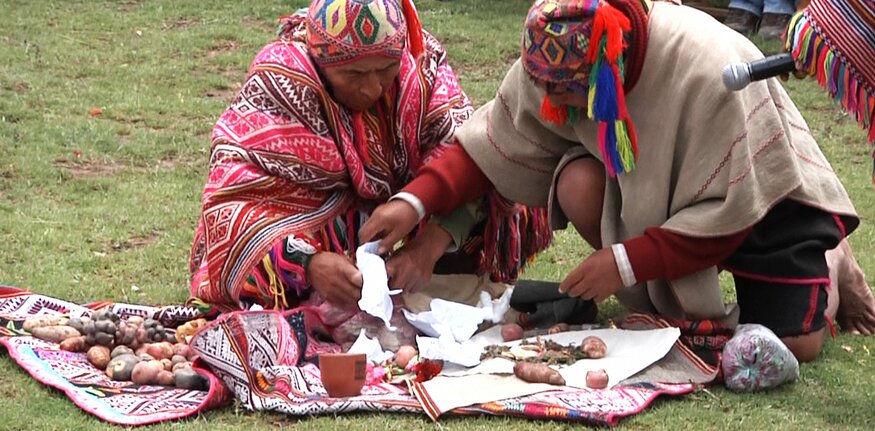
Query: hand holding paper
(376, 297)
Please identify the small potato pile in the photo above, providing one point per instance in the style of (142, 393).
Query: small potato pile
(535, 366)
(138, 350)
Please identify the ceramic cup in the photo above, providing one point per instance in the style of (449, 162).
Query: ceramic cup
(343, 374)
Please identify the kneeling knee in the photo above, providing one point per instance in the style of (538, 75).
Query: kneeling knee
(807, 347)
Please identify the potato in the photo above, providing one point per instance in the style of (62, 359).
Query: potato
(597, 379)
(121, 350)
(404, 354)
(43, 320)
(537, 373)
(160, 350)
(55, 334)
(74, 344)
(146, 373)
(557, 328)
(98, 356)
(189, 328)
(190, 379)
(165, 378)
(594, 347)
(177, 359)
(181, 366)
(183, 350)
(121, 367)
(166, 364)
(511, 331)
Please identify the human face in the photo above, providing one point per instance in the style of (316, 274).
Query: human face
(360, 83)
(564, 94)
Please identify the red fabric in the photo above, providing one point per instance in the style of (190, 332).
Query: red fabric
(454, 179)
(449, 181)
(662, 254)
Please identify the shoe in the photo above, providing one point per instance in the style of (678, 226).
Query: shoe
(741, 21)
(773, 25)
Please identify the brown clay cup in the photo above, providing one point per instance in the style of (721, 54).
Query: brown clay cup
(343, 374)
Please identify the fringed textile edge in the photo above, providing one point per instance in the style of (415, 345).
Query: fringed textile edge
(514, 234)
(810, 47)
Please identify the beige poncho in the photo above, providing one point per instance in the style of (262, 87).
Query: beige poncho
(711, 161)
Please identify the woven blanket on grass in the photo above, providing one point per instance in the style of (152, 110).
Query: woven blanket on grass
(122, 403)
(268, 360)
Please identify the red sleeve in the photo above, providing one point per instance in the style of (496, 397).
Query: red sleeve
(449, 181)
(666, 255)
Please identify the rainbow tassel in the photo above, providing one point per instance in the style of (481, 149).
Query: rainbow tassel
(837, 77)
(606, 101)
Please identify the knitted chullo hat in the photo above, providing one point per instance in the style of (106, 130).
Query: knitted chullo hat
(340, 31)
(835, 42)
(580, 43)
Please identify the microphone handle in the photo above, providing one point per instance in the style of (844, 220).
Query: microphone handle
(771, 66)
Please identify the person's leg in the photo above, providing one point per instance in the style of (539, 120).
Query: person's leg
(744, 15)
(580, 190)
(776, 16)
(850, 298)
(800, 323)
(781, 275)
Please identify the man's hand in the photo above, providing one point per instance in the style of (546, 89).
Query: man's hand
(390, 222)
(596, 278)
(410, 268)
(336, 278)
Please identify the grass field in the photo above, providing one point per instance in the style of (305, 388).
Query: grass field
(104, 207)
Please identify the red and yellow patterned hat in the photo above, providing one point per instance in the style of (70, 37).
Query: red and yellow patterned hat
(339, 31)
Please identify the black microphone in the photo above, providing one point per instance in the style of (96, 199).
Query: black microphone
(738, 75)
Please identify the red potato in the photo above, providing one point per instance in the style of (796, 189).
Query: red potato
(146, 373)
(164, 378)
(537, 373)
(597, 379)
(160, 350)
(511, 332)
(74, 344)
(594, 347)
(182, 349)
(404, 354)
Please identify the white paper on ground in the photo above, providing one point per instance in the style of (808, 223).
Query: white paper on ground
(376, 297)
(628, 353)
(453, 392)
(370, 347)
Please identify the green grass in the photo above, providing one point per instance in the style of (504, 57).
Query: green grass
(92, 206)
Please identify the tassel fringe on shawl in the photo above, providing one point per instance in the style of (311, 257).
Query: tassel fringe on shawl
(816, 52)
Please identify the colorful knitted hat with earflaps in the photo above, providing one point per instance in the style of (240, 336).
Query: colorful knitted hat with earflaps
(835, 42)
(580, 43)
(340, 31)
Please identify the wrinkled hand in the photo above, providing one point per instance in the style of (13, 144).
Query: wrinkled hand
(596, 278)
(390, 222)
(410, 268)
(336, 278)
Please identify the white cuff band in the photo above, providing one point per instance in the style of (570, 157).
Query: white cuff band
(623, 265)
(414, 201)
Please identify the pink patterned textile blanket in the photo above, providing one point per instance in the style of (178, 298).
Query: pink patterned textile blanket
(122, 403)
(268, 359)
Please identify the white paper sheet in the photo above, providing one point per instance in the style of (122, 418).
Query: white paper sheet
(376, 297)
(492, 380)
(628, 353)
